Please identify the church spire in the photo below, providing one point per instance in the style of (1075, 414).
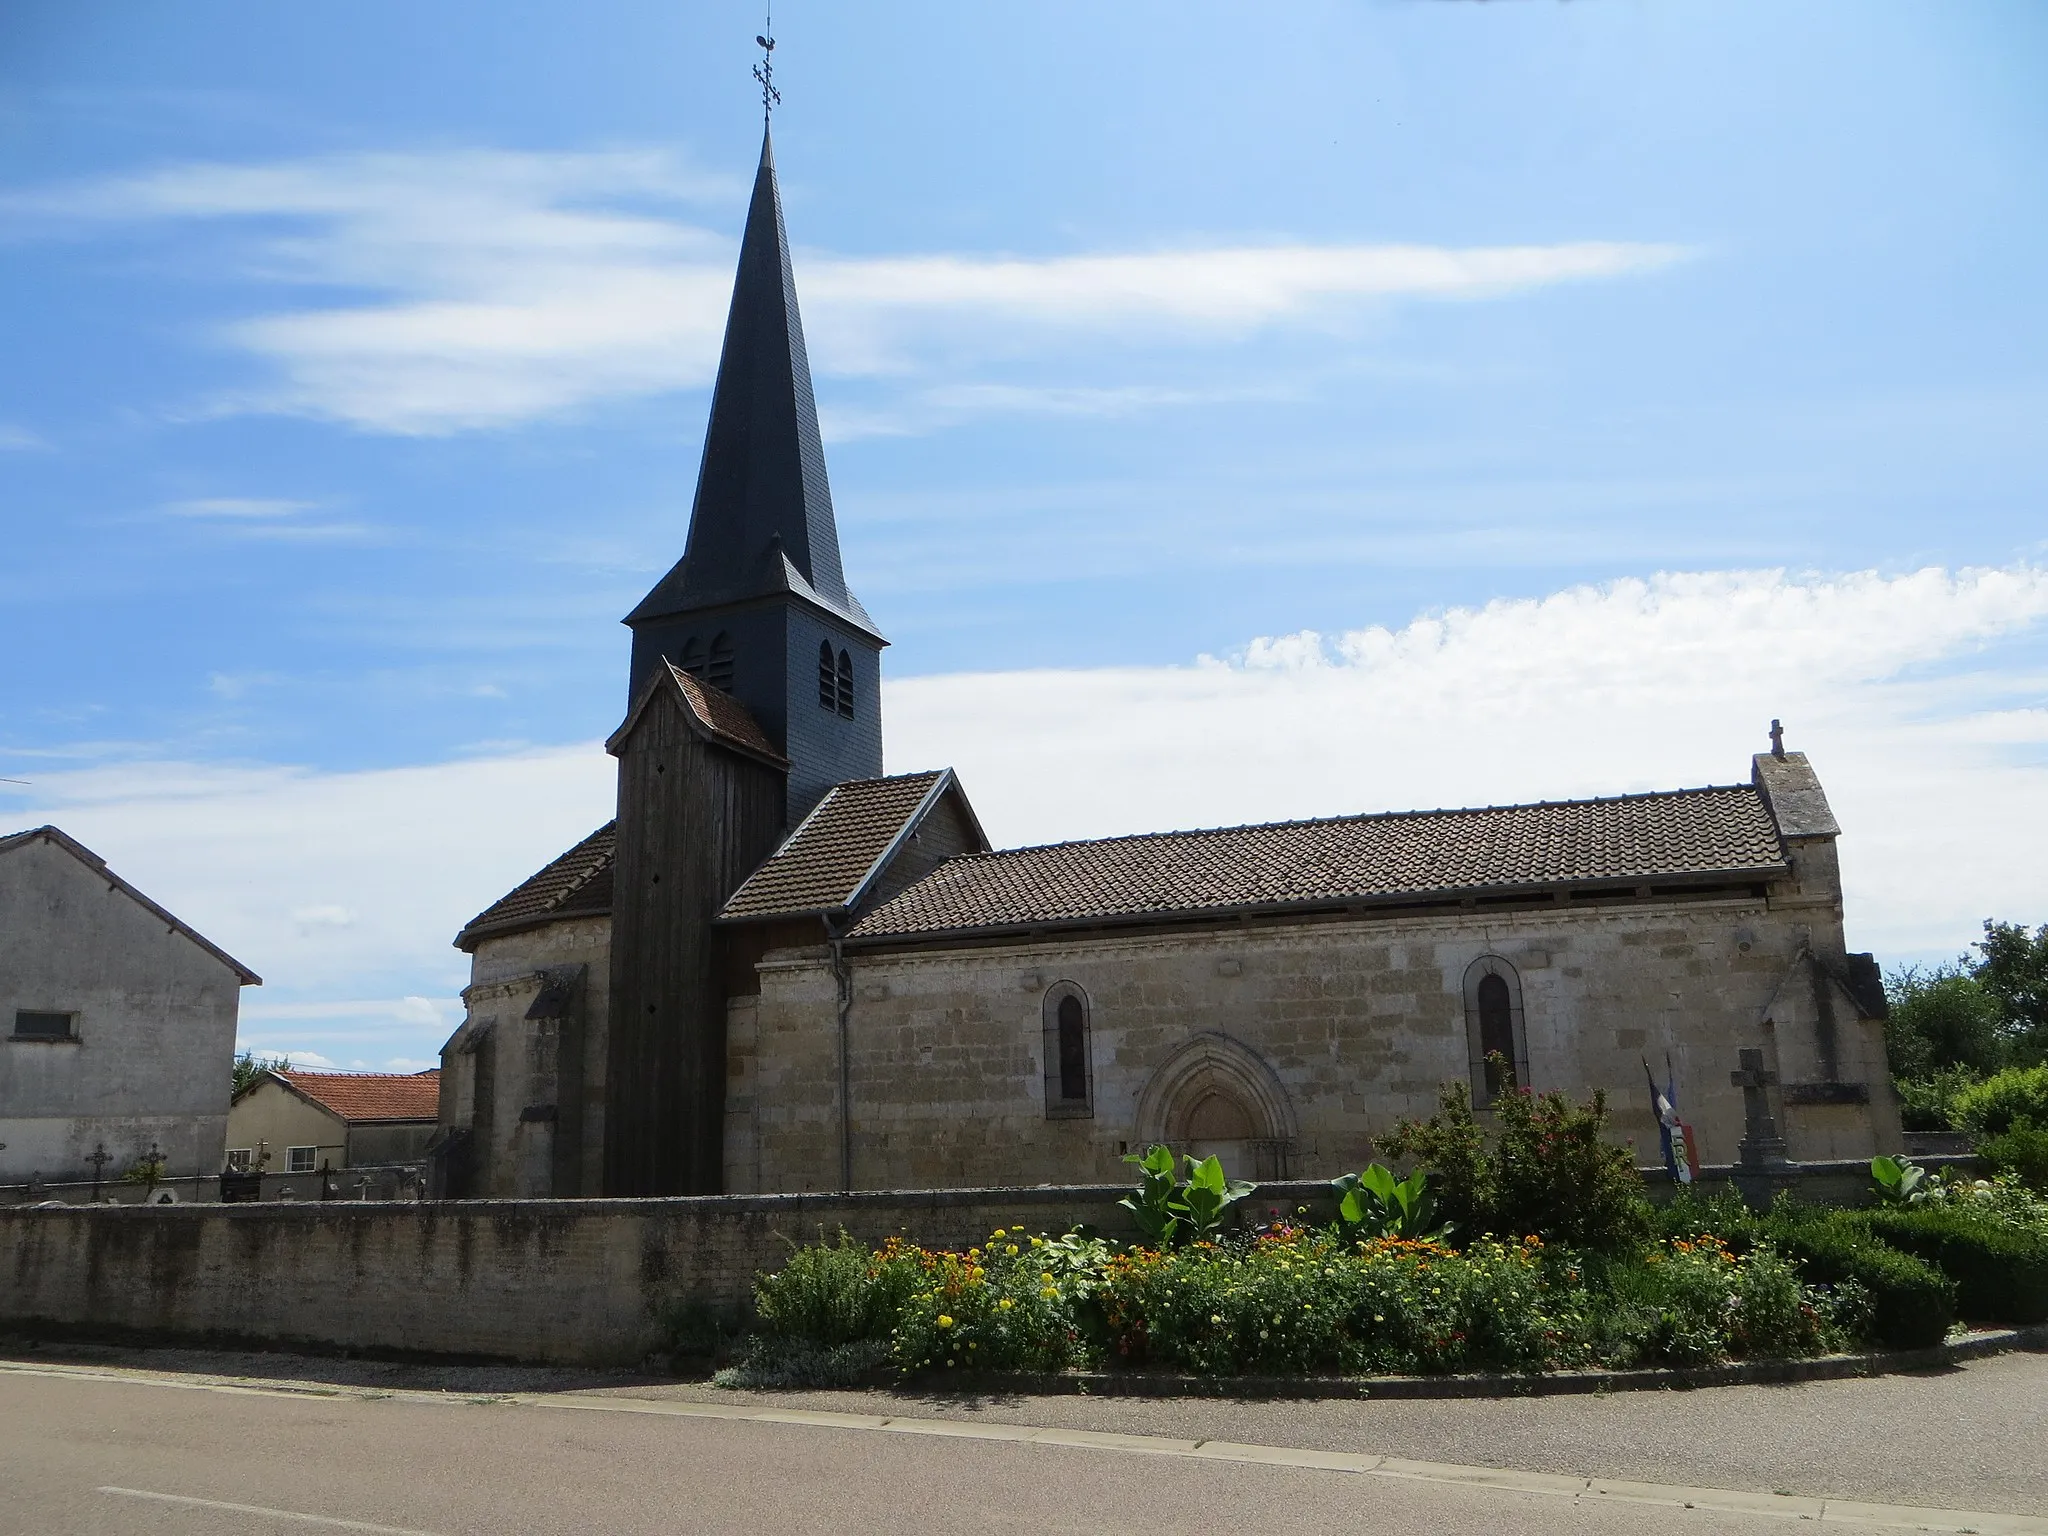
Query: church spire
(762, 523)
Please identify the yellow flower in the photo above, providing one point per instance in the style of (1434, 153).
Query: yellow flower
(1214, 1318)
(945, 1321)
(1005, 1304)
(1011, 1250)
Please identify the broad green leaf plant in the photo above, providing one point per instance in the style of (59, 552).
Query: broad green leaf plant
(1183, 1209)
(1376, 1204)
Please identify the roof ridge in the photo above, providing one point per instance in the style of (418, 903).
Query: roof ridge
(1352, 820)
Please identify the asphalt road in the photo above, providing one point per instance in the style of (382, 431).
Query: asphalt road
(113, 1447)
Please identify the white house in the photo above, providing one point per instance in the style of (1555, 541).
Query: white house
(117, 1021)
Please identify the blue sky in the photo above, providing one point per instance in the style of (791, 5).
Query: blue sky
(1634, 372)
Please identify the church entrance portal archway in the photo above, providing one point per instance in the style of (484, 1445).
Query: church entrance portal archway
(1216, 1096)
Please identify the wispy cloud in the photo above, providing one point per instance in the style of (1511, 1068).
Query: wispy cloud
(493, 288)
(18, 439)
(345, 889)
(237, 508)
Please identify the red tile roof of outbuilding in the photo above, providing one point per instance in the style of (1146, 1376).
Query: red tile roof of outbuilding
(358, 1096)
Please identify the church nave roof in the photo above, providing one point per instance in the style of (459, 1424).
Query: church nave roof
(1679, 835)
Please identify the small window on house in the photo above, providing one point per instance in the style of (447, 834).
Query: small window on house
(29, 1024)
(299, 1159)
(240, 1159)
(693, 656)
(1494, 1028)
(718, 666)
(1069, 1069)
(846, 685)
(828, 677)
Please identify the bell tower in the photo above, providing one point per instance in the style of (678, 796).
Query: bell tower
(758, 606)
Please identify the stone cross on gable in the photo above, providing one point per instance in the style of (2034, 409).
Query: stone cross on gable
(1760, 1140)
(1777, 739)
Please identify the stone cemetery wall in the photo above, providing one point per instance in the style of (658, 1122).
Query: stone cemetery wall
(564, 1281)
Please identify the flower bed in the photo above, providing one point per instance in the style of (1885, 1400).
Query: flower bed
(1588, 1277)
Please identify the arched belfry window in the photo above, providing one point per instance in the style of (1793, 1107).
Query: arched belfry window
(828, 677)
(718, 668)
(846, 685)
(693, 656)
(1494, 1025)
(1069, 1063)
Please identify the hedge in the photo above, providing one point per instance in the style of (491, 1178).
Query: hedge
(1912, 1302)
(2000, 1270)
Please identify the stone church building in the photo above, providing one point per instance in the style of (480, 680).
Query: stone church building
(779, 969)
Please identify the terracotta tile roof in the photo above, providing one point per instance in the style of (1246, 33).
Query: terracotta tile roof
(822, 866)
(1638, 838)
(578, 884)
(721, 714)
(372, 1095)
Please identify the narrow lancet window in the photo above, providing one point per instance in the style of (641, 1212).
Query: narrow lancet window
(846, 685)
(718, 669)
(1069, 1069)
(693, 656)
(828, 677)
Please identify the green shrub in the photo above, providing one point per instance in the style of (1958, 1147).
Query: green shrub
(2016, 1096)
(1295, 1302)
(830, 1294)
(1692, 1301)
(2000, 1270)
(1548, 1171)
(1911, 1302)
(1928, 1103)
(2021, 1152)
(1376, 1204)
(787, 1364)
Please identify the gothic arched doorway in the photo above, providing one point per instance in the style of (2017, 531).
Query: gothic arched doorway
(1215, 1096)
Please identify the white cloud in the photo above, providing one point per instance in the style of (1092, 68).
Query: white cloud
(345, 889)
(16, 439)
(1935, 757)
(238, 507)
(499, 287)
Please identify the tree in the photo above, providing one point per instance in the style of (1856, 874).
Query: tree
(2014, 972)
(1942, 1018)
(249, 1066)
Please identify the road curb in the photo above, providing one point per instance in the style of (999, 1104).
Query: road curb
(1735, 1373)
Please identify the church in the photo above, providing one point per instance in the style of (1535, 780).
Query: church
(779, 969)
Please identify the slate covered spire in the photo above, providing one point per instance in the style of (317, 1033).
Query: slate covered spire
(762, 522)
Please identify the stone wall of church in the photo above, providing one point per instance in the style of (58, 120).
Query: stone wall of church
(531, 1091)
(1324, 1033)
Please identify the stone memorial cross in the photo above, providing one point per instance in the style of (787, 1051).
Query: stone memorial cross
(1760, 1140)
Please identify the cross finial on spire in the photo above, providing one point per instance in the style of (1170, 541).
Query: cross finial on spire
(764, 71)
(1777, 739)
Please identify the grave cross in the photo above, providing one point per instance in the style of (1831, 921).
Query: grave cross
(99, 1160)
(1760, 1140)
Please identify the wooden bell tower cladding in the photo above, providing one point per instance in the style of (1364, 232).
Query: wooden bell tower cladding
(700, 806)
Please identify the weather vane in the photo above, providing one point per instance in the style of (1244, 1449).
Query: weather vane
(764, 71)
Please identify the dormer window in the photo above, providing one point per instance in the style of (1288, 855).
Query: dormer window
(828, 677)
(845, 685)
(718, 667)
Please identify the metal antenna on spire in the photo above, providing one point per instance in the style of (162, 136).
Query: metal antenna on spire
(764, 71)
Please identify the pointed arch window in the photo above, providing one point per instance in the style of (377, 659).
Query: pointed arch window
(693, 656)
(845, 685)
(718, 666)
(1494, 1026)
(828, 677)
(1069, 1062)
